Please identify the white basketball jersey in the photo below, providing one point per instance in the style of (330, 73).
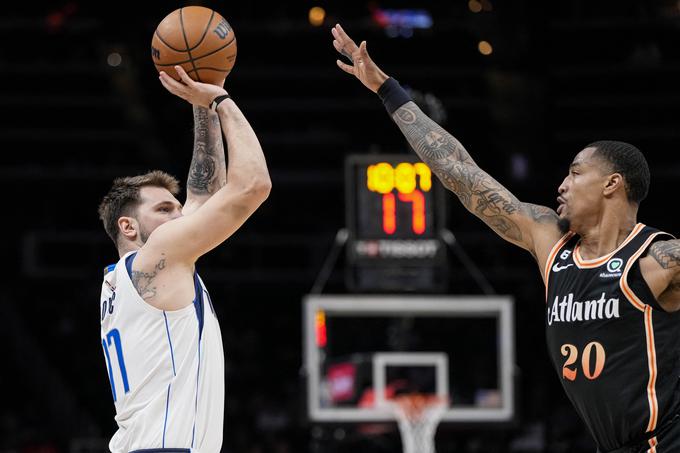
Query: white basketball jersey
(166, 368)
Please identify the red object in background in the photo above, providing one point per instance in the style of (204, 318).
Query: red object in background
(418, 209)
(341, 380)
(389, 206)
(40, 448)
(56, 20)
(321, 338)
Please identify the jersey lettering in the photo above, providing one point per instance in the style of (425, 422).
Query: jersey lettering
(570, 310)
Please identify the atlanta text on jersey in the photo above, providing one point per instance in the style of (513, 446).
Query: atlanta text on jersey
(570, 310)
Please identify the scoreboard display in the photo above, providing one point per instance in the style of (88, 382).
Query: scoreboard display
(395, 201)
(394, 214)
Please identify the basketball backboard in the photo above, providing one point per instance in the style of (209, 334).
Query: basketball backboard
(360, 350)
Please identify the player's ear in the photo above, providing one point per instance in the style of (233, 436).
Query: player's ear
(613, 183)
(128, 227)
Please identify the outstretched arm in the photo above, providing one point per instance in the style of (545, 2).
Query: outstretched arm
(208, 169)
(529, 226)
(480, 193)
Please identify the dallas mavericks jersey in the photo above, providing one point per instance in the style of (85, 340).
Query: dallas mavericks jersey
(616, 351)
(166, 368)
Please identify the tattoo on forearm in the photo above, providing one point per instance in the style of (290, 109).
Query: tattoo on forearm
(428, 139)
(144, 281)
(448, 159)
(666, 253)
(207, 173)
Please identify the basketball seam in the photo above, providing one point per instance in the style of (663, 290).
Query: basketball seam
(198, 58)
(166, 43)
(205, 32)
(186, 41)
(208, 68)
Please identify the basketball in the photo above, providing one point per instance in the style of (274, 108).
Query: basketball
(198, 39)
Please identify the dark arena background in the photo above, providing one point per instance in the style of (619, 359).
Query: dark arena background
(524, 85)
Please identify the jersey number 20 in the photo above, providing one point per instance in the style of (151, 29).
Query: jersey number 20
(571, 353)
(114, 335)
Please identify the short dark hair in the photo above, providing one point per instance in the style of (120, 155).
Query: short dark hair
(629, 161)
(123, 197)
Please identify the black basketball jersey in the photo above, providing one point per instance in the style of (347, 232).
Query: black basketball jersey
(615, 350)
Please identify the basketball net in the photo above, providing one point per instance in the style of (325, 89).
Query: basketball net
(418, 416)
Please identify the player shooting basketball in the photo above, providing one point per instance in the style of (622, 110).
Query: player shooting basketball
(160, 335)
(612, 284)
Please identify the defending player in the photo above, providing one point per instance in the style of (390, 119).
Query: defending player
(612, 284)
(160, 335)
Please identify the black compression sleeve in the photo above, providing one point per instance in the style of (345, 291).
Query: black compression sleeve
(393, 95)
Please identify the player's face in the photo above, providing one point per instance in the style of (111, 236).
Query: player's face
(581, 193)
(157, 206)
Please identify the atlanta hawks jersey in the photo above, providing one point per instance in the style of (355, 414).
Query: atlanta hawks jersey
(615, 350)
(166, 368)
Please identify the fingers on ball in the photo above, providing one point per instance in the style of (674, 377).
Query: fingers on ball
(183, 75)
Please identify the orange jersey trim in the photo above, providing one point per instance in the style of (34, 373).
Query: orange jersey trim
(649, 337)
(651, 361)
(551, 258)
(589, 264)
(652, 443)
(623, 282)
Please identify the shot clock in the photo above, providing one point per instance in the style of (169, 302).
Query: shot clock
(395, 211)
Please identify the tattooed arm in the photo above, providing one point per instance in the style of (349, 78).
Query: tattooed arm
(144, 282)
(527, 225)
(661, 270)
(188, 237)
(208, 170)
(481, 194)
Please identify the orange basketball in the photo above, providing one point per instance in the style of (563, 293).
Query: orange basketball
(199, 40)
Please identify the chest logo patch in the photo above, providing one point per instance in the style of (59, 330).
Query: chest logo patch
(614, 268)
(614, 265)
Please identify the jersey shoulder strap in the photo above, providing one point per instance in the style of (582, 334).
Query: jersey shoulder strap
(639, 244)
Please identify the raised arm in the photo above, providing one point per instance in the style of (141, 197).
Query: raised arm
(480, 193)
(529, 226)
(187, 238)
(208, 169)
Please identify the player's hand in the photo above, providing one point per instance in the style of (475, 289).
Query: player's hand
(196, 93)
(363, 67)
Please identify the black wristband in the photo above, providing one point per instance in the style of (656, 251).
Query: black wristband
(217, 100)
(393, 95)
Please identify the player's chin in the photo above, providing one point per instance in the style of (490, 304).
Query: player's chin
(564, 223)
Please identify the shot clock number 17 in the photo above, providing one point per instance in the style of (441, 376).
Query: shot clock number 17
(395, 213)
(391, 197)
(409, 181)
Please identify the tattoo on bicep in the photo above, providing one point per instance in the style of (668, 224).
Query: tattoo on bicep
(208, 168)
(540, 214)
(666, 253)
(144, 281)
